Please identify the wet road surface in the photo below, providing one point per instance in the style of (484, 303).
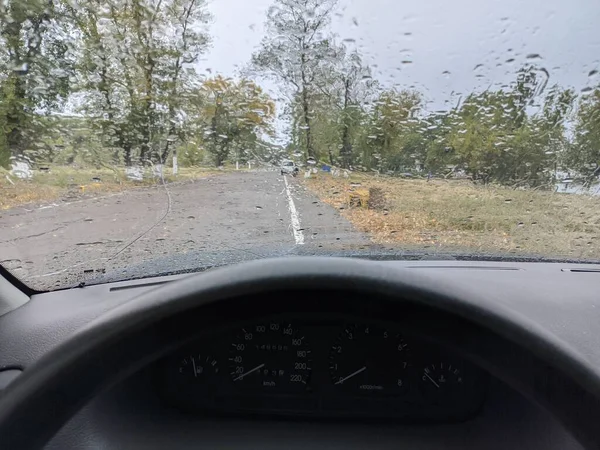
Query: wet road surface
(182, 226)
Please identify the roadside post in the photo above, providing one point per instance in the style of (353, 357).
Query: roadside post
(175, 166)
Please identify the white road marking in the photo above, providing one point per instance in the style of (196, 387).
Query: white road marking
(298, 235)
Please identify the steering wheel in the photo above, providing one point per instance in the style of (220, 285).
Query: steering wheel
(118, 343)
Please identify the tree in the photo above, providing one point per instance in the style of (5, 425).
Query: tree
(343, 94)
(498, 136)
(134, 80)
(232, 115)
(392, 125)
(583, 156)
(34, 70)
(297, 51)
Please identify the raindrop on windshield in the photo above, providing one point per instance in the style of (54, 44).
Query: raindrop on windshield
(533, 56)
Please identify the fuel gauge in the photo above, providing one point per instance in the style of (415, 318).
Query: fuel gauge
(198, 367)
(442, 381)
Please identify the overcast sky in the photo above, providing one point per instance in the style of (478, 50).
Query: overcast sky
(444, 39)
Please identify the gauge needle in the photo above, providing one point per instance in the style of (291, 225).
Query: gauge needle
(249, 372)
(434, 383)
(353, 374)
(194, 364)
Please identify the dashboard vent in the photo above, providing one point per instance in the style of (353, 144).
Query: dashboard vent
(581, 270)
(464, 267)
(135, 286)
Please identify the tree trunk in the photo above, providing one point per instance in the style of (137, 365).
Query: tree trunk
(165, 153)
(346, 150)
(306, 109)
(144, 152)
(147, 63)
(15, 95)
(127, 155)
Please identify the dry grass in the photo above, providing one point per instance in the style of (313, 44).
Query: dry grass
(456, 215)
(71, 182)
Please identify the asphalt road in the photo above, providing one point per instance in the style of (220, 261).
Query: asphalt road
(210, 221)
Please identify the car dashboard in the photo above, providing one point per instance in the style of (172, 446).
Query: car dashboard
(325, 368)
(330, 369)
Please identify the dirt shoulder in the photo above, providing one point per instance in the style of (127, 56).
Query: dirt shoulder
(459, 216)
(65, 184)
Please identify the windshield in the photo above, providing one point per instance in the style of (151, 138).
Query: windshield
(146, 137)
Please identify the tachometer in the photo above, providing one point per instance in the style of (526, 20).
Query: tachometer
(369, 359)
(272, 355)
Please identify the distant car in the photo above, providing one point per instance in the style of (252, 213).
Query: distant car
(288, 167)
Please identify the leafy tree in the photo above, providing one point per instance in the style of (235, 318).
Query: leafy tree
(340, 103)
(34, 70)
(297, 51)
(583, 156)
(134, 80)
(392, 126)
(232, 115)
(494, 135)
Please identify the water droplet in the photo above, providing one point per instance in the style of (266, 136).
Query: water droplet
(533, 56)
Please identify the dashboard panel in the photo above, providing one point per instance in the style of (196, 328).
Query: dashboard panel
(322, 367)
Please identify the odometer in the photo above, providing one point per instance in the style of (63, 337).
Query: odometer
(272, 355)
(369, 359)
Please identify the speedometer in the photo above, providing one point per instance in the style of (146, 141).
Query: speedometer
(269, 356)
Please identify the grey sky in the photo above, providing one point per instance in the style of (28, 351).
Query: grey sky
(437, 36)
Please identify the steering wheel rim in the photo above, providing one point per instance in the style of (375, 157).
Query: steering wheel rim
(41, 400)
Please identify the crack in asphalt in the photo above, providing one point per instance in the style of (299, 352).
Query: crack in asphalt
(29, 236)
